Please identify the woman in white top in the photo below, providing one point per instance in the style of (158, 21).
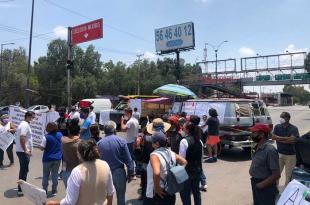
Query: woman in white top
(157, 171)
(9, 127)
(90, 182)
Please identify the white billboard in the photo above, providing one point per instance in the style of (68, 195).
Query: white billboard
(175, 37)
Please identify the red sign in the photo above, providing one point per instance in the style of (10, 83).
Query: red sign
(86, 32)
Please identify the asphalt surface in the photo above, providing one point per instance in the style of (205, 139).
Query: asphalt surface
(228, 179)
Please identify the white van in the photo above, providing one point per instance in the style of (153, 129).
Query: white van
(99, 104)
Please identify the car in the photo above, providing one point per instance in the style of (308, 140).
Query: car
(4, 110)
(38, 108)
(236, 116)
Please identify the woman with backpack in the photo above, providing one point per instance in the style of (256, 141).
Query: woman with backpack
(191, 149)
(157, 169)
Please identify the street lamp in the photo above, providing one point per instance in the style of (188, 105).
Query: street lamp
(3, 44)
(216, 49)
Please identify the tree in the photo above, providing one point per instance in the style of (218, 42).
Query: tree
(299, 93)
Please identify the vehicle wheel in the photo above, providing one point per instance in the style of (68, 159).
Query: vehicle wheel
(247, 150)
(219, 148)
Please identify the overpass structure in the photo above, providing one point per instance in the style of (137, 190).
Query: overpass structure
(279, 69)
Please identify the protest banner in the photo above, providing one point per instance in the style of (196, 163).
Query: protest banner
(52, 116)
(6, 138)
(33, 193)
(38, 124)
(104, 116)
(136, 103)
(295, 193)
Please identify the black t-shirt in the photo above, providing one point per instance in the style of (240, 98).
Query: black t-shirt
(213, 126)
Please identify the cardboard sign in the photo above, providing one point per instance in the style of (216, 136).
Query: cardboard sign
(33, 193)
(295, 193)
(6, 138)
(17, 115)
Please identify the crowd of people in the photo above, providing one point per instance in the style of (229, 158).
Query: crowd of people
(94, 167)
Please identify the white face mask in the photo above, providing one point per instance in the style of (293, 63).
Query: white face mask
(125, 117)
(282, 121)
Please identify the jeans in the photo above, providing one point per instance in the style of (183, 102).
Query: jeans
(9, 152)
(24, 160)
(119, 181)
(266, 196)
(130, 148)
(289, 162)
(65, 177)
(50, 168)
(191, 186)
(157, 200)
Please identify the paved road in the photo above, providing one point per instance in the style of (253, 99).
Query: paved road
(228, 180)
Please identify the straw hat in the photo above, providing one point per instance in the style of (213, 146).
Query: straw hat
(156, 125)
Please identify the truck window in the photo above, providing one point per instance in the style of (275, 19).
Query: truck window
(243, 109)
(256, 109)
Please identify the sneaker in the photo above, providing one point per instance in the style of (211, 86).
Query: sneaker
(204, 188)
(54, 192)
(20, 193)
(210, 160)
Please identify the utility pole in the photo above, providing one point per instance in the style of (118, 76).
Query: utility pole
(205, 54)
(139, 64)
(29, 58)
(69, 67)
(1, 69)
(216, 49)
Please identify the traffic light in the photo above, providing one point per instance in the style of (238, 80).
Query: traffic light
(70, 64)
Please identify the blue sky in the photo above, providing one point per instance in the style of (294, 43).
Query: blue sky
(250, 26)
(257, 26)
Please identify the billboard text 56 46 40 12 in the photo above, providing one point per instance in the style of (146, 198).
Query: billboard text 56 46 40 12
(176, 37)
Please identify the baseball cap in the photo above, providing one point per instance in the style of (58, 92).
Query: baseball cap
(159, 137)
(260, 128)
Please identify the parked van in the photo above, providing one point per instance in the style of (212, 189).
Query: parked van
(236, 116)
(99, 104)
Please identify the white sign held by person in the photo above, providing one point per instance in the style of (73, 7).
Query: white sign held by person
(33, 193)
(294, 194)
(38, 124)
(6, 138)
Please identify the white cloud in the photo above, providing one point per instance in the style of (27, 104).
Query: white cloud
(293, 49)
(246, 51)
(61, 32)
(149, 56)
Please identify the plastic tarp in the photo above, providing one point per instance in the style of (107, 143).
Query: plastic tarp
(165, 101)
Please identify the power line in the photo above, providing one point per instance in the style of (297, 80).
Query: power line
(107, 25)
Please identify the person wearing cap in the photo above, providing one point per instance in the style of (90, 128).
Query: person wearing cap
(114, 151)
(157, 169)
(174, 133)
(10, 127)
(264, 170)
(285, 135)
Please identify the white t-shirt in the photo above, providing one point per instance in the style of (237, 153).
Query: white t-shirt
(25, 130)
(184, 146)
(92, 117)
(132, 129)
(163, 169)
(136, 115)
(74, 183)
(74, 115)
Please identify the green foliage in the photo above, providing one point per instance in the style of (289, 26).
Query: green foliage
(90, 76)
(299, 93)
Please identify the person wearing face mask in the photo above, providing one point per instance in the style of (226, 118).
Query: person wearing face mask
(24, 147)
(61, 121)
(285, 135)
(10, 127)
(264, 170)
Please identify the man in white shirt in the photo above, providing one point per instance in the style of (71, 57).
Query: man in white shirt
(92, 115)
(24, 146)
(74, 114)
(136, 114)
(131, 127)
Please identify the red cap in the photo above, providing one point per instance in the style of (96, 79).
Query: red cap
(260, 128)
